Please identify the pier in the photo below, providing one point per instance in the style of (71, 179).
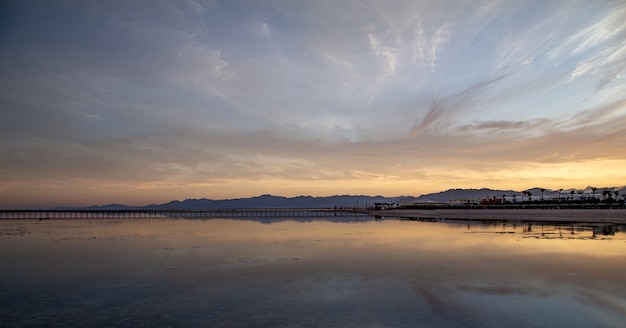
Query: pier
(171, 214)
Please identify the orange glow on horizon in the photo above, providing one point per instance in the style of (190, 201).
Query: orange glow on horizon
(84, 192)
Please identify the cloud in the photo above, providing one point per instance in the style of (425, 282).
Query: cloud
(505, 126)
(426, 50)
(218, 94)
(439, 40)
(598, 47)
(451, 105)
(607, 27)
(263, 30)
(386, 54)
(605, 65)
(598, 115)
(196, 6)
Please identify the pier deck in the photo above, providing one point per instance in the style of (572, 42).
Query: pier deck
(164, 213)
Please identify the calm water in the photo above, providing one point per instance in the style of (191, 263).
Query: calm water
(317, 273)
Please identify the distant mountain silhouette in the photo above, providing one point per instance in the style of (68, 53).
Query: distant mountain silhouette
(263, 201)
(536, 194)
(446, 196)
(270, 201)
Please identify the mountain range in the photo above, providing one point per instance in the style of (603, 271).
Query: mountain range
(270, 201)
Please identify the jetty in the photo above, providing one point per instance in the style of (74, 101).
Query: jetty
(174, 213)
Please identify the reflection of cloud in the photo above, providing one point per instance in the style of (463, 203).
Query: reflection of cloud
(506, 290)
(603, 300)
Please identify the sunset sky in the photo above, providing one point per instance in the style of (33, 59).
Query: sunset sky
(140, 102)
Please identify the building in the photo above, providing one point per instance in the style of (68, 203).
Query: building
(464, 201)
(491, 201)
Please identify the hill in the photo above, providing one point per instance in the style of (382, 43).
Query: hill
(270, 201)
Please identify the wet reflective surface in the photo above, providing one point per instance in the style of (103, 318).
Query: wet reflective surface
(311, 273)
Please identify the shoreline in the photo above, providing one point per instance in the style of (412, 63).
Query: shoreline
(617, 216)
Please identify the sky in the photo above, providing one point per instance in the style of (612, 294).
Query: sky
(140, 102)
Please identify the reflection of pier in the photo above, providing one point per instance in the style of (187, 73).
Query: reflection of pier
(555, 228)
(534, 229)
(187, 214)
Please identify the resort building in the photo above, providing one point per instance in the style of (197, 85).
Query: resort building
(424, 204)
(464, 201)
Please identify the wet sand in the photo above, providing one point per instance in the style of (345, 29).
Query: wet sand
(547, 215)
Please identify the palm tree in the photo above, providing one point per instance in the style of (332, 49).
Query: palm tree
(542, 190)
(572, 192)
(560, 191)
(604, 194)
(616, 194)
(593, 192)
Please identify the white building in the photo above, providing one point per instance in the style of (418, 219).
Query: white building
(464, 201)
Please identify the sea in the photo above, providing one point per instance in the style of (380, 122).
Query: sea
(354, 271)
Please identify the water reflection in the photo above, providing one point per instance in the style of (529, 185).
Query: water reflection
(553, 229)
(312, 272)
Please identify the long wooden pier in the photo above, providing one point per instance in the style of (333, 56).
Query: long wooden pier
(166, 213)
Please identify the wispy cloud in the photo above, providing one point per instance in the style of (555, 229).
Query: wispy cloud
(386, 54)
(605, 28)
(598, 48)
(503, 126)
(453, 104)
(598, 115)
(438, 42)
(605, 66)
(428, 47)
(192, 94)
(263, 29)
